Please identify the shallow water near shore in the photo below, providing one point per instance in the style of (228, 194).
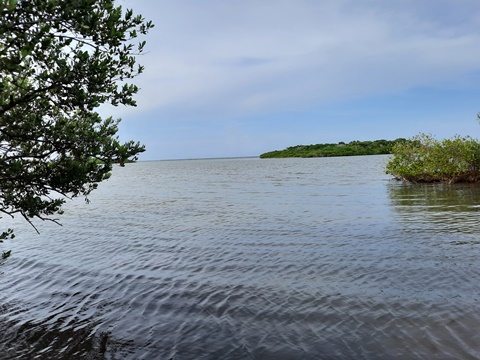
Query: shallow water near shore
(324, 258)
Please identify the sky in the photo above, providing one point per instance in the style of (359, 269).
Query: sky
(235, 78)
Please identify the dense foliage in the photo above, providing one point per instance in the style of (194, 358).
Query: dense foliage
(59, 61)
(425, 159)
(376, 147)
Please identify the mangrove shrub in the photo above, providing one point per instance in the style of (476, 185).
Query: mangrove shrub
(425, 159)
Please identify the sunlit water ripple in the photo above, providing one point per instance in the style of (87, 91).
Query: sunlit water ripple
(249, 259)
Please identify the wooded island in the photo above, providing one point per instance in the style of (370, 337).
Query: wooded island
(353, 148)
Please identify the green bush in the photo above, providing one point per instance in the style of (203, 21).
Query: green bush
(425, 159)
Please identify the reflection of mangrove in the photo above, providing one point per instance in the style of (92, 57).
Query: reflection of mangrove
(39, 341)
(450, 208)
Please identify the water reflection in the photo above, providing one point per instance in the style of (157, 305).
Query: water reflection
(39, 341)
(452, 208)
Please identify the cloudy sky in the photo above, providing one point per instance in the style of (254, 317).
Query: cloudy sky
(238, 78)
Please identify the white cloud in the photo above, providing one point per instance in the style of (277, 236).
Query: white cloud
(246, 56)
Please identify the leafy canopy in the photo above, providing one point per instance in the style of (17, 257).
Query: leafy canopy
(59, 61)
(425, 159)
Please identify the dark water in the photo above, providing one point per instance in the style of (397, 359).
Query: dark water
(249, 259)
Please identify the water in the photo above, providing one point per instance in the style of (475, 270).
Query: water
(323, 258)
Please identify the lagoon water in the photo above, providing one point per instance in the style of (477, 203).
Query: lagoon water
(324, 258)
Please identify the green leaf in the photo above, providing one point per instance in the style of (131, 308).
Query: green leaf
(53, 77)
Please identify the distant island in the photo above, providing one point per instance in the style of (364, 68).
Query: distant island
(353, 148)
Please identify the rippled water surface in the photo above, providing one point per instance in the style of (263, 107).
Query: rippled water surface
(321, 258)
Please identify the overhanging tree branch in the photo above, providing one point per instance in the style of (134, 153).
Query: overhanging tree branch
(59, 61)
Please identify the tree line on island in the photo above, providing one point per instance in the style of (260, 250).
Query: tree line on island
(419, 159)
(352, 148)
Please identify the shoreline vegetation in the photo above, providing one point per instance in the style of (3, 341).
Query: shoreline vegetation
(427, 160)
(354, 148)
